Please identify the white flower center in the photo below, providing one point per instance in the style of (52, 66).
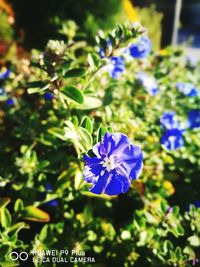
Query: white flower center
(108, 163)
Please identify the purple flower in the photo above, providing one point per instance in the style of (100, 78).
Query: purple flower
(48, 96)
(141, 49)
(115, 164)
(148, 82)
(10, 102)
(187, 89)
(5, 74)
(194, 118)
(168, 120)
(116, 67)
(172, 139)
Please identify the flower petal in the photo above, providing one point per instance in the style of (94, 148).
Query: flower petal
(117, 184)
(100, 184)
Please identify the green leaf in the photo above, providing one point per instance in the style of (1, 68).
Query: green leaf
(33, 90)
(87, 213)
(93, 61)
(34, 214)
(91, 102)
(194, 241)
(78, 180)
(36, 84)
(103, 44)
(74, 73)
(5, 217)
(75, 121)
(87, 124)
(4, 201)
(18, 205)
(8, 264)
(73, 93)
(86, 138)
(17, 227)
(59, 133)
(100, 133)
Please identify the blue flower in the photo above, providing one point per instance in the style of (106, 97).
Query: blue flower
(172, 139)
(168, 120)
(116, 67)
(148, 82)
(5, 74)
(115, 164)
(194, 118)
(10, 102)
(141, 49)
(187, 89)
(48, 96)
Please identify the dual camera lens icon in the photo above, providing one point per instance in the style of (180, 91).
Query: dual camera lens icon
(14, 256)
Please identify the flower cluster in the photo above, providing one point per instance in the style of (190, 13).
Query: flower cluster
(115, 164)
(148, 82)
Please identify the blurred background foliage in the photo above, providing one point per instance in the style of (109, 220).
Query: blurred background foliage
(37, 22)
(43, 197)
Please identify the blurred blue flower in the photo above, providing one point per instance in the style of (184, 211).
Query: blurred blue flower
(148, 82)
(168, 120)
(172, 139)
(4, 75)
(54, 202)
(141, 49)
(116, 67)
(187, 89)
(10, 102)
(115, 164)
(194, 118)
(48, 96)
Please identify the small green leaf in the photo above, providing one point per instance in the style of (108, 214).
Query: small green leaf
(194, 241)
(59, 133)
(87, 124)
(34, 214)
(91, 102)
(33, 90)
(36, 84)
(86, 138)
(9, 264)
(75, 121)
(17, 227)
(74, 73)
(78, 180)
(18, 205)
(87, 213)
(103, 44)
(4, 201)
(73, 93)
(100, 133)
(5, 217)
